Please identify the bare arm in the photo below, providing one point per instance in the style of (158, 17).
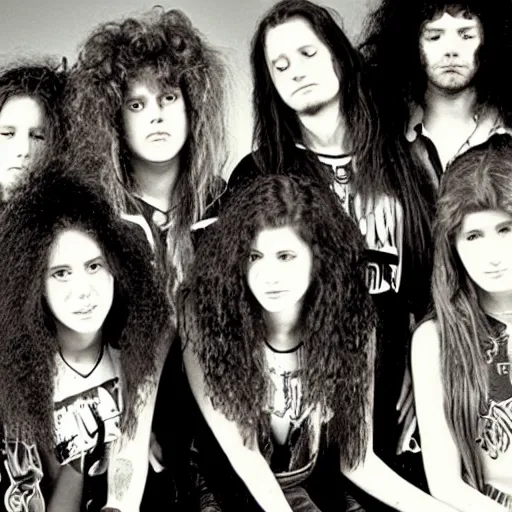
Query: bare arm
(441, 457)
(247, 461)
(379, 480)
(129, 456)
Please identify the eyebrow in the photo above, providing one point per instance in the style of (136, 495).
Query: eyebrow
(88, 262)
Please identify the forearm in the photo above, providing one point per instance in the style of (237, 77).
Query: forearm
(127, 475)
(261, 482)
(67, 491)
(381, 482)
(464, 497)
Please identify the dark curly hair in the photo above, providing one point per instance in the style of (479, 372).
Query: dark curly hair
(391, 49)
(43, 81)
(224, 323)
(164, 46)
(137, 323)
(383, 162)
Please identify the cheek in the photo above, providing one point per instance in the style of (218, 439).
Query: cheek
(56, 295)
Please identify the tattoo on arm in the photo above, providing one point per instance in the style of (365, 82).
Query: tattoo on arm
(122, 477)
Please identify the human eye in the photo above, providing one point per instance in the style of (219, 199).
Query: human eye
(169, 97)
(254, 256)
(309, 51)
(95, 266)
(431, 35)
(469, 34)
(505, 230)
(62, 274)
(135, 105)
(8, 134)
(281, 64)
(472, 236)
(286, 256)
(39, 136)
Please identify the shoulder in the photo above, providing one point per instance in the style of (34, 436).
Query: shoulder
(244, 171)
(426, 342)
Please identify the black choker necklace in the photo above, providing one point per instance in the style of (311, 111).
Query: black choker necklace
(84, 375)
(289, 351)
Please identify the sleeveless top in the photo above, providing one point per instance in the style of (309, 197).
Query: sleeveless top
(495, 425)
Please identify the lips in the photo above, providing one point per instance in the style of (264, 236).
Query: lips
(495, 274)
(275, 294)
(302, 88)
(85, 311)
(156, 136)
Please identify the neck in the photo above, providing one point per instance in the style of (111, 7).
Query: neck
(79, 347)
(458, 107)
(281, 328)
(155, 181)
(324, 131)
(496, 302)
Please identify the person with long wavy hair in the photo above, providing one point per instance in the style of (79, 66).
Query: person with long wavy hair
(146, 103)
(84, 322)
(438, 69)
(278, 331)
(30, 117)
(461, 358)
(315, 116)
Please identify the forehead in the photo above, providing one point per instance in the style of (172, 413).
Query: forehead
(72, 245)
(276, 239)
(289, 36)
(148, 84)
(21, 110)
(454, 21)
(485, 219)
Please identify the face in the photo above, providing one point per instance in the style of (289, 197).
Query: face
(301, 67)
(79, 287)
(155, 122)
(484, 245)
(279, 270)
(448, 47)
(21, 139)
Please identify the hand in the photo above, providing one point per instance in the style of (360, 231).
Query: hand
(405, 406)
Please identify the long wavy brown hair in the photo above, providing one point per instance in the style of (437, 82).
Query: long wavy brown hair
(136, 324)
(224, 323)
(479, 180)
(163, 46)
(42, 80)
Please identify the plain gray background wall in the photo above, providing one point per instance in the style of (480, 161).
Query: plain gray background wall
(29, 28)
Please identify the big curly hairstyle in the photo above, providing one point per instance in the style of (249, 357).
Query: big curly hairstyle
(137, 323)
(383, 162)
(391, 49)
(481, 179)
(225, 326)
(43, 81)
(164, 46)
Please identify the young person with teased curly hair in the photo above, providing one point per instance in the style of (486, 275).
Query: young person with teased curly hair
(84, 324)
(438, 66)
(315, 116)
(461, 358)
(146, 102)
(278, 331)
(30, 118)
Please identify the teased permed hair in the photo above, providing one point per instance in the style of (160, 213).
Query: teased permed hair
(136, 324)
(224, 324)
(383, 161)
(391, 49)
(481, 179)
(43, 81)
(164, 46)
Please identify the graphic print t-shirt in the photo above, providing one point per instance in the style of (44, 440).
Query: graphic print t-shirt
(495, 427)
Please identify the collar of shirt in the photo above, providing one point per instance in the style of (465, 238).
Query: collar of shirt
(488, 123)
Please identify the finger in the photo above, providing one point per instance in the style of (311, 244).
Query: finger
(408, 405)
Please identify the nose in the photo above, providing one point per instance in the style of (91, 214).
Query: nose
(297, 70)
(453, 45)
(83, 287)
(271, 275)
(156, 112)
(23, 146)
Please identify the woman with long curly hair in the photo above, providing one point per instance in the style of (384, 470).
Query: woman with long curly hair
(461, 359)
(279, 343)
(30, 117)
(84, 321)
(146, 103)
